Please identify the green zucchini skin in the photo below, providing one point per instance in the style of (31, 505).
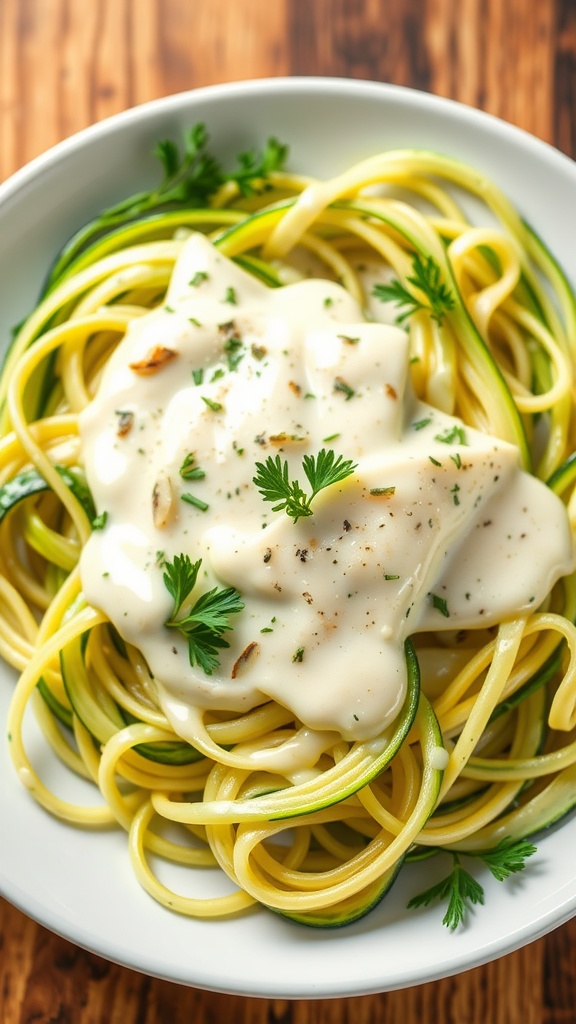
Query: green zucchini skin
(538, 680)
(362, 903)
(564, 476)
(351, 910)
(103, 724)
(30, 482)
(62, 713)
(530, 821)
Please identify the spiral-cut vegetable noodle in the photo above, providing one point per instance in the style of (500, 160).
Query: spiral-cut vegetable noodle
(502, 702)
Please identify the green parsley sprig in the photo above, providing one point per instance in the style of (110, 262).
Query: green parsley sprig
(191, 175)
(462, 890)
(426, 277)
(207, 619)
(322, 470)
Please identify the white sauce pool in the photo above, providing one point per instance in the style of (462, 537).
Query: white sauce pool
(437, 528)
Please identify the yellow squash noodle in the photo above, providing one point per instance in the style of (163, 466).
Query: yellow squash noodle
(485, 749)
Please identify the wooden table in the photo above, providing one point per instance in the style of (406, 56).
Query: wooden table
(65, 64)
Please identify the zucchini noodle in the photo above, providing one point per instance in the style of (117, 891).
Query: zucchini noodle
(484, 747)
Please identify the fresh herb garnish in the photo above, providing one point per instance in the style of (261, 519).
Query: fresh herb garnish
(189, 470)
(341, 385)
(199, 277)
(234, 349)
(99, 521)
(452, 435)
(191, 499)
(426, 278)
(440, 604)
(191, 176)
(215, 406)
(462, 890)
(322, 470)
(207, 619)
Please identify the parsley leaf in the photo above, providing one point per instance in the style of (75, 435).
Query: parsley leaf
(191, 174)
(205, 621)
(459, 888)
(180, 578)
(426, 279)
(508, 857)
(462, 890)
(254, 166)
(322, 470)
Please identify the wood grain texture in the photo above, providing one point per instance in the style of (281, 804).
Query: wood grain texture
(65, 64)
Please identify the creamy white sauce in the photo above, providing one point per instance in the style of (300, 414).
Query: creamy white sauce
(437, 528)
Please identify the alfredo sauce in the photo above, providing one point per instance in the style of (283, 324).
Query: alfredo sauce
(436, 529)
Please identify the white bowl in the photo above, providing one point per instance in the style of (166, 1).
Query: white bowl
(81, 885)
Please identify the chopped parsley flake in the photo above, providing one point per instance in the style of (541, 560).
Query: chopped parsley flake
(233, 349)
(383, 491)
(189, 471)
(440, 604)
(191, 499)
(215, 406)
(452, 435)
(99, 522)
(341, 385)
